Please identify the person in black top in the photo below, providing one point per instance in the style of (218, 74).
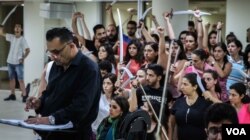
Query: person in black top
(73, 90)
(153, 89)
(100, 36)
(188, 111)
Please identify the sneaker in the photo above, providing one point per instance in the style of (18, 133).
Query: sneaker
(25, 98)
(11, 97)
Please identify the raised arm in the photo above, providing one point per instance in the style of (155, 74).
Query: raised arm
(74, 28)
(205, 37)
(218, 28)
(85, 28)
(111, 20)
(145, 33)
(198, 19)
(169, 28)
(2, 33)
(162, 56)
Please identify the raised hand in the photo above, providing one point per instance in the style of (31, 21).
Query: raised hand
(160, 30)
(219, 25)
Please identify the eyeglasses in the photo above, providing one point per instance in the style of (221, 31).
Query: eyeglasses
(57, 52)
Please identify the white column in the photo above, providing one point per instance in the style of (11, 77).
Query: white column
(34, 33)
(179, 22)
(237, 18)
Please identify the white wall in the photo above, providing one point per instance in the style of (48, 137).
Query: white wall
(213, 19)
(179, 22)
(34, 34)
(237, 18)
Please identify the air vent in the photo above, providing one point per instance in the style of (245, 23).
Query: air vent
(56, 10)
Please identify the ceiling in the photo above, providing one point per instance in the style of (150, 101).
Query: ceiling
(211, 6)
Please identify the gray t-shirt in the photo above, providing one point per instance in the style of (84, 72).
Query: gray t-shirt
(17, 48)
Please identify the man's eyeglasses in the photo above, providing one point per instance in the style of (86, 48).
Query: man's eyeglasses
(57, 52)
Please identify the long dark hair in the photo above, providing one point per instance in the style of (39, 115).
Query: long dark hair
(241, 89)
(215, 76)
(224, 48)
(139, 56)
(110, 53)
(245, 57)
(192, 78)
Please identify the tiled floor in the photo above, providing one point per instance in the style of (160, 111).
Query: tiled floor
(14, 110)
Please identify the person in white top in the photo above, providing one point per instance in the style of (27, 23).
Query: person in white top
(19, 50)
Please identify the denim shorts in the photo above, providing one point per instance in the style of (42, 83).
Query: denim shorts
(15, 69)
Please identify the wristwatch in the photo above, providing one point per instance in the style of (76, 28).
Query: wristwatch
(52, 120)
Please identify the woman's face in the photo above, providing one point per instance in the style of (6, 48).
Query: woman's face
(115, 109)
(234, 97)
(186, 87)
(174, 49)
(232, 49)
(197, 62)
(149, 53)
(190, 43)
(210, 81)
(132, 49)
(183, 38)
(108, 86)
(102, 53)
(218, 53)
(212, 39)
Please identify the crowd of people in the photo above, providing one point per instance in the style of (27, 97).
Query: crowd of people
(203, 76)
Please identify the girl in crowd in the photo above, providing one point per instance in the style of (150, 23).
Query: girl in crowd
(105, 52)
(109, 127)
(222, 66)
(187, 111)
(234, 48)
(150, 53)
(241, 102)
(134, 56)
(108, 88)
(190, 44)
(212, 85)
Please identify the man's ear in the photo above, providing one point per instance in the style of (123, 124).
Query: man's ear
(159, 78)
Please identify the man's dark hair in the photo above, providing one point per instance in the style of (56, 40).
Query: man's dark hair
(64, 34)
(219, 112)
(157, 69)
(98, 26)
(132, 22)
(105, 65)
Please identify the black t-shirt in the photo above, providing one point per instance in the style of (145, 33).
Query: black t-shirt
(90, 45)
(190, 119)
(152, 94)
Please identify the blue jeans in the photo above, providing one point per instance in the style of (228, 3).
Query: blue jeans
(15, 68)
